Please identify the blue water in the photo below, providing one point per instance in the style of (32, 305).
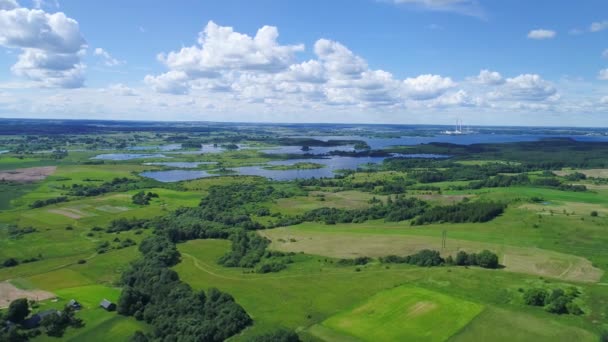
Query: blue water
(181, 165)
(169, 147)
(465, 139)
(331, 165)
(128, 156)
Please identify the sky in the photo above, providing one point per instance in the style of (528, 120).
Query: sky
(485, 62)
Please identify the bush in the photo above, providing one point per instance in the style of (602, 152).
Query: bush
(536, 297)
(277, 336)
(10, 262)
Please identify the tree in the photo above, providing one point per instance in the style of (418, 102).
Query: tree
(461, 258)
(18, 310)
(536, 297)
(487, 259)
(280, 335)
(558, 305)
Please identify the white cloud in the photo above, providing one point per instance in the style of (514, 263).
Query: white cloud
(172, 82)
(528, 87)
(603, 75)
(488, 77)
(108, 60)
(121, 90)
(334, 80)
(598, 26)
(605, 54)
(604, 100)
(221, 48)
(51, 46)
(540, 34)
(425, 87)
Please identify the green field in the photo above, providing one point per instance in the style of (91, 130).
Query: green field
(548, 237)
(405, 314)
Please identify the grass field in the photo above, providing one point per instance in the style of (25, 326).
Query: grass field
(495, 324)
(313, 289)
(405, 314)
(550, 243)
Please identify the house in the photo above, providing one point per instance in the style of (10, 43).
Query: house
(107, 305)
(73, 303)
(35, 319)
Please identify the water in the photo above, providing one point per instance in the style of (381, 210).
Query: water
(465, 139)
(176, 175)
(4, 151)
(330, 166)
(127, 156)
(313, 149)
(169, 147)
(181, 165)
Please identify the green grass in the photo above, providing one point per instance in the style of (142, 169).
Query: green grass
(405, 314)
(313, 289)
(499, 325)
(100, 324)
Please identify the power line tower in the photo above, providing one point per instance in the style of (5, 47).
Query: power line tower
(444, 236)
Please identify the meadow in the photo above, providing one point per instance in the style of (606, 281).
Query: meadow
(547, 237)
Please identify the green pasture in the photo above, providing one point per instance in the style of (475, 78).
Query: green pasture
(405, 314)
(313, 289)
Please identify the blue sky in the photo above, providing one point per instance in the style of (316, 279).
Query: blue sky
(487, 62)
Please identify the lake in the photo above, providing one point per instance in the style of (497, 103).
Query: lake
(181, 165)
(331, 164)
(128, 156)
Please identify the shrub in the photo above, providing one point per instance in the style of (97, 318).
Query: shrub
(535, 297)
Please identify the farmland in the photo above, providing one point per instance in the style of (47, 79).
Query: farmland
(307, 255)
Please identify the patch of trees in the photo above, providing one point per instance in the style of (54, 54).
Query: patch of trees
(485, 259)
(359, 261)
(429, 258)
(143, 198)
(280, 335)
(54, 323)
(248, 250)
(124, 224)
(116, 185)
(14, 232)
(556, 301)
(461, 212)
(153, 292)
(44, 203)
(423, 258)
(394, 210)
(575, 177)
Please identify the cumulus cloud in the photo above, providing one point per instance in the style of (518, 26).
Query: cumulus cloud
(51, 46)
(598, 26)
(426, 87)
(541, 34)
(603, 75)
(488, 77)
(270, 77)
(108, 60)
(221, 48)
(528, 87)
